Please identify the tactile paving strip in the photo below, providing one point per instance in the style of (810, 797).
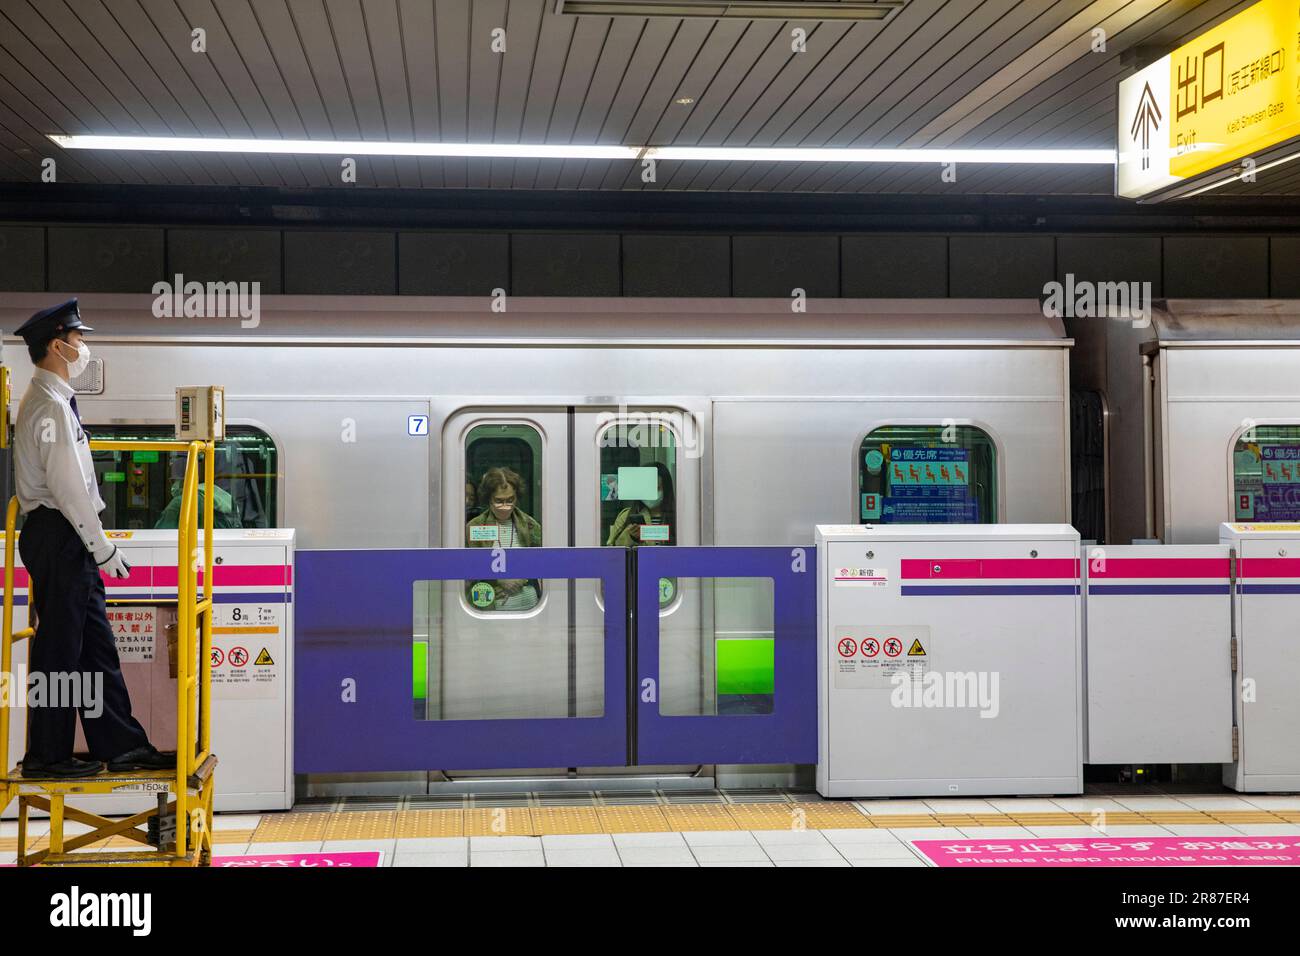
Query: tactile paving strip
(361, 825)
(551, 821)
(709, 816)
(677, 817)
(422, 824)
(633, 819)
(498, 821)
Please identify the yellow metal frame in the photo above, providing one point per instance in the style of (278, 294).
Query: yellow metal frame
(190, 785)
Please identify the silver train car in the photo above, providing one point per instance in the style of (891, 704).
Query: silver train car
(370, 423)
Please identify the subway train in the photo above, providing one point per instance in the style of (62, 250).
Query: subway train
(374, 422)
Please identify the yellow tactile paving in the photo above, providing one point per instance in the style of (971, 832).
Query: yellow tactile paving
(422, 824)
(898, 821)
(537, 821)
(1176, 817)
(551, 821)
(769, 816)
(634, 819)
(1244, 816)
(683, 817)
(499, 821)
(1047, 819)
(291, 827)
(1119, 818)
(835, 816)
(362, 825)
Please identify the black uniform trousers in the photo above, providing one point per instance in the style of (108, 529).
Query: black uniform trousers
(73, 636)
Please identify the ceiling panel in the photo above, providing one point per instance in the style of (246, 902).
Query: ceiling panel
(991, 73)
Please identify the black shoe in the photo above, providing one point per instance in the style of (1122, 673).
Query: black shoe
(72, 767)
(142, 758)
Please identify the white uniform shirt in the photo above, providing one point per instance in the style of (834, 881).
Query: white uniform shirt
(52, 463)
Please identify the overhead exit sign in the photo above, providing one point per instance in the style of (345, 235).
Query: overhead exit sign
(1224, 97)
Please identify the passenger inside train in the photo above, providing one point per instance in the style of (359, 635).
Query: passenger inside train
(223, 504)
(503, 524)
(649, 518)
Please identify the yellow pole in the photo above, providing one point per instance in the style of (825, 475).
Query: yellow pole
(6, 649)
(205, 660)
(185, 585)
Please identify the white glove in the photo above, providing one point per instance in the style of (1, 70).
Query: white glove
(115, 566)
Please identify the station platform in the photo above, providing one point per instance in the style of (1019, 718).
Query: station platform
(1152, 825)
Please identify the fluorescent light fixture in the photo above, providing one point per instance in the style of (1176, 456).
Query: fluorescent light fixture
(182, 144)
(740, 9)
(848, 154)
(830, 154)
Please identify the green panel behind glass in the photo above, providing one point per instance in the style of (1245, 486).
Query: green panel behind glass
(746, 665)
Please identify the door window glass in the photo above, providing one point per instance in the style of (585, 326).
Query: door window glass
(1266, 474)
(638, 489)
(927, 474)
(503, 493)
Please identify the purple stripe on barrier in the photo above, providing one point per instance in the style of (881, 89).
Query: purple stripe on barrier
(1269, 588)
(958, 590)
(1157, 589)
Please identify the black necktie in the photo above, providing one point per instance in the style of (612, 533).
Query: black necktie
(73, 402)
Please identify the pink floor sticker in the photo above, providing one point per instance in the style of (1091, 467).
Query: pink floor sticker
(1115, 851)
(317, 860)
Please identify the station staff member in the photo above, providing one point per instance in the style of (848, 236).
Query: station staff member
(65, 550)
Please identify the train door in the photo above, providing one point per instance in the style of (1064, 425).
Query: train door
(504, 648)
(637, 484)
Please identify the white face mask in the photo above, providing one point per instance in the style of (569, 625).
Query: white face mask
(77, 365)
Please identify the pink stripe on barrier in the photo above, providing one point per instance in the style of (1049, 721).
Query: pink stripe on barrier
(965, 569)
(1158, 568)
(229, 575)
(1270, 567)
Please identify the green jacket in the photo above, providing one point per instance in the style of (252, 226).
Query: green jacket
(528, 529)
(620, 532)
(222, 514)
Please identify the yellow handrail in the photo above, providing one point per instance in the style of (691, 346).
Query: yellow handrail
(194, 622)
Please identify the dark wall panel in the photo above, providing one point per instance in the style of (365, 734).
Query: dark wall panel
(774, 265)
(22, 259)
(105, 258)
(894, 267)
(564, 264)
(226, 255)
(1216, 267)
(340, 263)
(676, 265)
(448, 263)
(998, 267)
(1110, 259)
(1284, 272)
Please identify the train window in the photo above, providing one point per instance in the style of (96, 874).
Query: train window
(1266, 474)
(927, 474)
(723, 661)
(638, 480)
(500, 667)
(142, 489)
(503, 488)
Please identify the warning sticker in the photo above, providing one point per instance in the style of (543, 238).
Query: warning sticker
(133, 631)
(247, 650)
(869, 656)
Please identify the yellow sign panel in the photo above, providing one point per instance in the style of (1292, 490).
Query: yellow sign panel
(1235, 89)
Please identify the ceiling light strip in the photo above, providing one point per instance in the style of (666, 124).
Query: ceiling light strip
(1050, 157)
